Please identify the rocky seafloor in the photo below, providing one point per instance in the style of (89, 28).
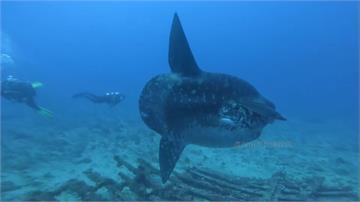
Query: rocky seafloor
(110, 158)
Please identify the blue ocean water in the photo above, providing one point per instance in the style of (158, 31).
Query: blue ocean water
(303, 56)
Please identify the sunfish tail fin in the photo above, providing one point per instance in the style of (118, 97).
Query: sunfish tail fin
(169, 153)
(181, 59)
(264, 108)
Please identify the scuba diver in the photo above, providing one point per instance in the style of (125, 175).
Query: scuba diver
(112, 98)
(23, 92)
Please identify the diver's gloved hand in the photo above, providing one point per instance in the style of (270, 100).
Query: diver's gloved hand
(46, 113)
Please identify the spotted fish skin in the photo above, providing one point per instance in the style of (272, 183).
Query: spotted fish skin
(192, 106)
(171, 104)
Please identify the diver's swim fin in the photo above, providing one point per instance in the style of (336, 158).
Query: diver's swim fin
(46, 113)
(36, 84)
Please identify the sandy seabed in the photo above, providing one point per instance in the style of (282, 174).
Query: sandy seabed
(78, 160)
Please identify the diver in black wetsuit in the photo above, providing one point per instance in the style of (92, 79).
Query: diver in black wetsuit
(22, 92)
(112, 98)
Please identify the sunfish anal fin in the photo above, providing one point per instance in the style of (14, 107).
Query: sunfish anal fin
(181, 59)
(169, 153)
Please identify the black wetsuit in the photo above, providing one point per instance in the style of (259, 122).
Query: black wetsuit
(19, 91)
(109, 98)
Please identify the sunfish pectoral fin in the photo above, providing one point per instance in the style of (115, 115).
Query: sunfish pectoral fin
(169, 153)
(181, 59)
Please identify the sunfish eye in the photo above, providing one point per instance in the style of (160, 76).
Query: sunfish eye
(227, 121)
(230, 110)
(236, 115)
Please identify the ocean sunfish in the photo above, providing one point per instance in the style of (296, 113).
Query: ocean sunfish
(191, 106)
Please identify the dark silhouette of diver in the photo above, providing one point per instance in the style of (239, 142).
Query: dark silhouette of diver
(112, 98)
(23, 92)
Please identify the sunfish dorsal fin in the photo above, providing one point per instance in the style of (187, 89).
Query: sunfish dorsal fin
(181, 59)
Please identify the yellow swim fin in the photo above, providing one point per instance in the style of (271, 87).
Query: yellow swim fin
(37, 84)
(46, 113)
